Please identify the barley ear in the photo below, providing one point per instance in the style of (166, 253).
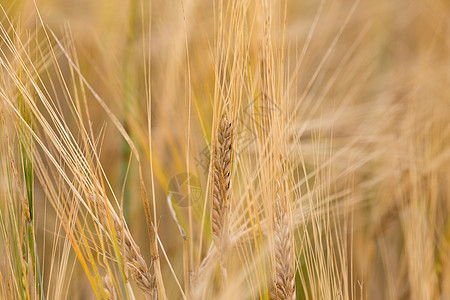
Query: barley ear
(221, 181)
(108, 286)
(284, 259)
(135, 264)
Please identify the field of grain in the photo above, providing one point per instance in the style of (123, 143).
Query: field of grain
(235, 149)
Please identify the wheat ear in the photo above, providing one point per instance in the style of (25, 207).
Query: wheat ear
(108, 286)
(134, 262)
(221, 181)
(284, 259)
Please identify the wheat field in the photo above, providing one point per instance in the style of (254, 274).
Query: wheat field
(239, 149)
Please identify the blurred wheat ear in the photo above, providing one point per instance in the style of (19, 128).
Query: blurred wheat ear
(108, 286)
(135, 264)
(284, 257)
